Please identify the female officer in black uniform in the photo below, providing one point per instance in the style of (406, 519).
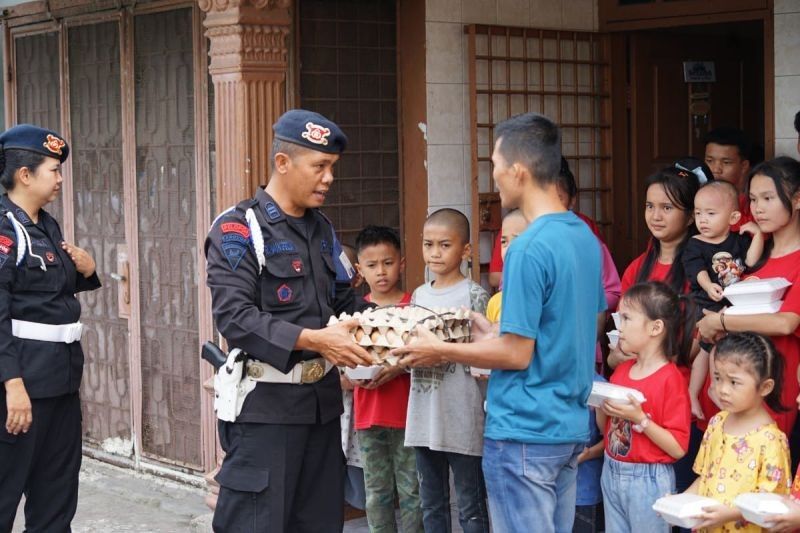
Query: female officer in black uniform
(41, 360)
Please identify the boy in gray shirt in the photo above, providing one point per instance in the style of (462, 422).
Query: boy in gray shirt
(445, 406)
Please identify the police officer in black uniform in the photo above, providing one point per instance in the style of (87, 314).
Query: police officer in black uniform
(41, 360)
(276, 274)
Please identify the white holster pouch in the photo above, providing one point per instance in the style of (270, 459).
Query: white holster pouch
(67, 333)
(231, 386)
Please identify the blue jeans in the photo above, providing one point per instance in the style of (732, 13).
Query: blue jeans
(531, 487)
(629, 492)
(433, 469)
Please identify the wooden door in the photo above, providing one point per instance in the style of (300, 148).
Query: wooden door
(662, 128)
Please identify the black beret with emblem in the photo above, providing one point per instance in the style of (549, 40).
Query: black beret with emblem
(35, 139)
(310, 130)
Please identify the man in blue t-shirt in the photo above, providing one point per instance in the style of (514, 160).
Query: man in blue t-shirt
(553, 298)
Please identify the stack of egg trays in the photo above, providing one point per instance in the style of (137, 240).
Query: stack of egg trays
(382, 328)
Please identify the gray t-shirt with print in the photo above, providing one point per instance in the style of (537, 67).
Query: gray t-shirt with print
(445, 406)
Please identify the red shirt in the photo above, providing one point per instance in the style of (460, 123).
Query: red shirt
(667, 403)
(744, 209)
(659, 272)
(385, 406)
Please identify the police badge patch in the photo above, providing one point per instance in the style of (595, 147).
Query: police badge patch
(284, 293)
(233, 252)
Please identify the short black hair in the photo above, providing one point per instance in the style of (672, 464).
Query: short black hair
(533, 141)
(13, 159)
(281, 146)
(453, 219)
(728, 136)
(797, 122)
(373, 235)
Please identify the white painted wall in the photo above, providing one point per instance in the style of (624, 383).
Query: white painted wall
(787, 75)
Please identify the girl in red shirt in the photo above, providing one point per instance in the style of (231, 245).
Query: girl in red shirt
(774, 190)
(669, 215)
(643, 440)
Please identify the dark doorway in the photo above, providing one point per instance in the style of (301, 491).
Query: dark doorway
(668, 117)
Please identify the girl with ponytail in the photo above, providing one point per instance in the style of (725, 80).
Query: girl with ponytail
(643, 440)
(743, 450)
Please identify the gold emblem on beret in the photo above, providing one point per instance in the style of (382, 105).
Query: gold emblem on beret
(316, 134)
(54, 144)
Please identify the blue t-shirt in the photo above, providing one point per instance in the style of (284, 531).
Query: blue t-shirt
(589, 492)
(552, 293)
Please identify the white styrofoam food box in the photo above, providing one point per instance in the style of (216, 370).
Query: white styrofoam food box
(363, 372)
(681, 509)
(759, 291)
(613, 338)
(617, 319)
(755, 309)
(602, 391)
(758, 507)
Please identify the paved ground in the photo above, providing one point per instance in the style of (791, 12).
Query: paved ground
(114, 499)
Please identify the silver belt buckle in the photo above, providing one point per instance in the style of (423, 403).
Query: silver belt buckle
(313, 371)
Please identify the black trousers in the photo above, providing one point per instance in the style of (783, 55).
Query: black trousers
(280, 478)
(43, 464)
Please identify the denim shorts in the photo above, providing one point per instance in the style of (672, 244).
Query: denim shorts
(629, 492)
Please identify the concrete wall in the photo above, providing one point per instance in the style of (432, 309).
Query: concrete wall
(787, 75)
(447, 74)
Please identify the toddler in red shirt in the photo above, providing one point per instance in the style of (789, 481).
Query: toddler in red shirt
(643, 440)
(381, 403)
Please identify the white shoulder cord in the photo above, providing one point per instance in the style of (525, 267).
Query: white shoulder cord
(257, 237)
(23, 241)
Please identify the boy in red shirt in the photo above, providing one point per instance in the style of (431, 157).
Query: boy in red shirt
(381, 403)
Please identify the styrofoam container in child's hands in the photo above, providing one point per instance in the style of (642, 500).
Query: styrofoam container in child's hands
(617, 319)
(363, 372)
(602, 391)
(682, 510)
(755, 309)
(613, 338)
(758, 291)
(760, 507)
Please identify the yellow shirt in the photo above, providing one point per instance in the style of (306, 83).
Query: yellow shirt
(729, 465)
(493, 307)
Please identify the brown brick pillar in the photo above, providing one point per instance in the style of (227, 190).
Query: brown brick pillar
(248, 66)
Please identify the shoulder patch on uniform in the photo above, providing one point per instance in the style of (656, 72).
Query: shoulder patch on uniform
(6, 244)
(272, 211)
(275, 247)
(233, 252)
(324, 246)
(235, 227)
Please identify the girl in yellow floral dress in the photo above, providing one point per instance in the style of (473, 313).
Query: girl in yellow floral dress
(742, 450)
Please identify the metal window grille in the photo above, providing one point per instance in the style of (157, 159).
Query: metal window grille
(563, 75)
(348, 72)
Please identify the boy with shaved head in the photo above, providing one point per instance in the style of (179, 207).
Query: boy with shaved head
(445, 406)
(715, 258)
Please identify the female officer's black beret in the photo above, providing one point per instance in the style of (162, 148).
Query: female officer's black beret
(35, 139)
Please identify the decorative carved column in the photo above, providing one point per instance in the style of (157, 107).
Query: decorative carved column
(249, 68)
